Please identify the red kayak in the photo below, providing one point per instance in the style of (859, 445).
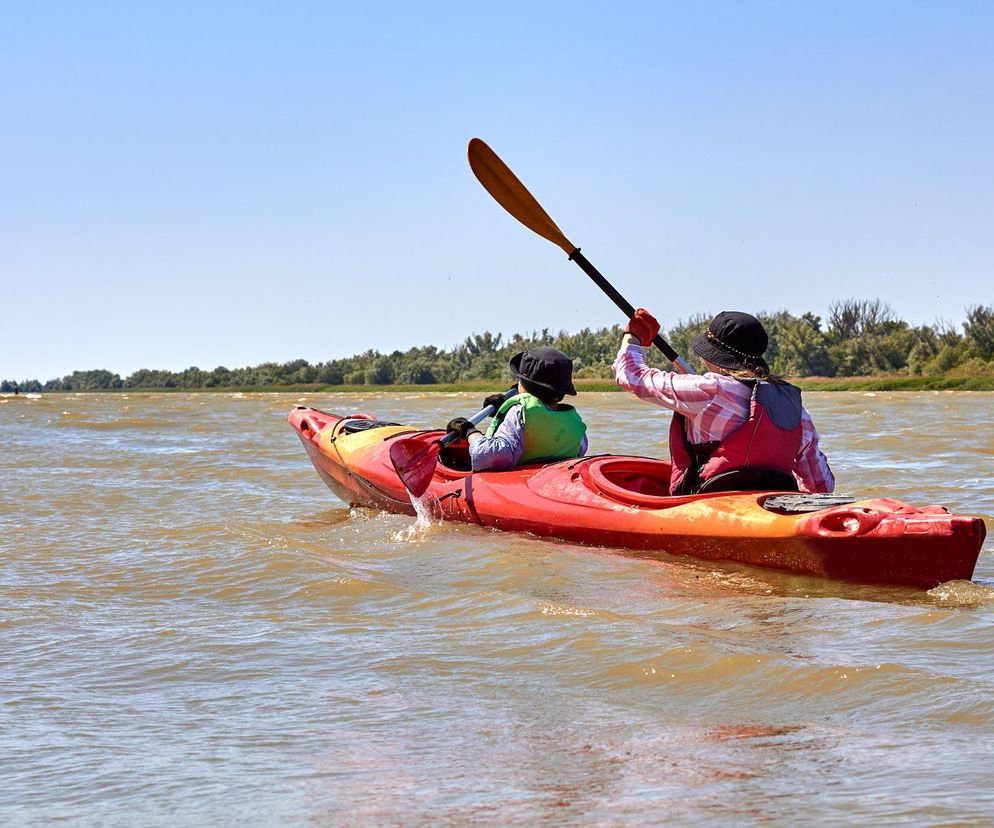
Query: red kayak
(621, 501)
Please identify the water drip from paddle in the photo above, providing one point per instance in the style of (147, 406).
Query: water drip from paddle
(425, 508)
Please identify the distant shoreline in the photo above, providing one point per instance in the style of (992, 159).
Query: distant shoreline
(882, 383)
(864, 348)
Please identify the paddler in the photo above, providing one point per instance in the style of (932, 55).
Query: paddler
(735, 427)
(534, 425)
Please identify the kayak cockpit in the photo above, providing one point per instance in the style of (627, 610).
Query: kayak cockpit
(638, 481)
(635, 481)
(455, 458)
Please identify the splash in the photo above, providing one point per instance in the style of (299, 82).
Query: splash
(425, 508)
(962, 593)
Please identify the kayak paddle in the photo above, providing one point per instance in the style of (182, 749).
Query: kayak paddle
(498, 180)
(414, 459)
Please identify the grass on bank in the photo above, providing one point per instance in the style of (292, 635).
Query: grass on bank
(806, 384)
(896, 383)
(985, 383)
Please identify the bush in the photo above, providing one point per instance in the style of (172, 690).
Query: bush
(979, 327)
(380, 372)
(416, 375)
(330, 374)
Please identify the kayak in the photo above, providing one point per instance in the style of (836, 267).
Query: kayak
(624, 502)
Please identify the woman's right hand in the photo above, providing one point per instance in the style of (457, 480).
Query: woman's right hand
(643, 326)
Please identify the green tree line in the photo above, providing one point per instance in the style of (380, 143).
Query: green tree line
(858, 338)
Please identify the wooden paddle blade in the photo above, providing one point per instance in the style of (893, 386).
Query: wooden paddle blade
(414, 460)
(511, 194)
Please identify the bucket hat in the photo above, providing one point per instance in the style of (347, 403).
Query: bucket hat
(734, 340)
(545, 367)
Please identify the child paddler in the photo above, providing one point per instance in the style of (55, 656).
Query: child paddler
(737, 426)
(533, 425)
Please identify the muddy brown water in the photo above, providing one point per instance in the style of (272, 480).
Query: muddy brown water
(195, 631)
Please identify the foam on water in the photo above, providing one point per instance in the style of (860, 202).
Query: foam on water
(962, 593)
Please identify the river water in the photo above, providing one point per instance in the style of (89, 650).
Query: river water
(196, 632)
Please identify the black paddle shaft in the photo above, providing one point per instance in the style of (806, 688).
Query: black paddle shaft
(624, 306)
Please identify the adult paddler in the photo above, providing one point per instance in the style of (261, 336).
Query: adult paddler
(737, 426)
(533, 425)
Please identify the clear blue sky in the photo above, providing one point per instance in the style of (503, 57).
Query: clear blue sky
(231, 183)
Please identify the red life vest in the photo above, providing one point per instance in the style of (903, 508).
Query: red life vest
(769, 439)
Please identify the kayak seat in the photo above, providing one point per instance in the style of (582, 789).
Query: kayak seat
(640, 483)
(751, 479)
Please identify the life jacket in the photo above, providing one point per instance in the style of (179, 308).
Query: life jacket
(769, 439)
(549, 435)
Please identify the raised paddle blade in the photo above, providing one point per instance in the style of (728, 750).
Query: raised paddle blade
(414, 460)
(511, 194)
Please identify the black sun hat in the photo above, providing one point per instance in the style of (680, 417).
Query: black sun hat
(734, 340)
(545, 367)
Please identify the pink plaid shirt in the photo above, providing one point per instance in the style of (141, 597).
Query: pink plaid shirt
(715, 405)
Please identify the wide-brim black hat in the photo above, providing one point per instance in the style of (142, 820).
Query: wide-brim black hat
(734, 340)
(545, 367)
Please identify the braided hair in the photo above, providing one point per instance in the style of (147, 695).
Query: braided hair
(758, 373)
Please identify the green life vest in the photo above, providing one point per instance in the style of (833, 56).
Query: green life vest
(548, 434)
